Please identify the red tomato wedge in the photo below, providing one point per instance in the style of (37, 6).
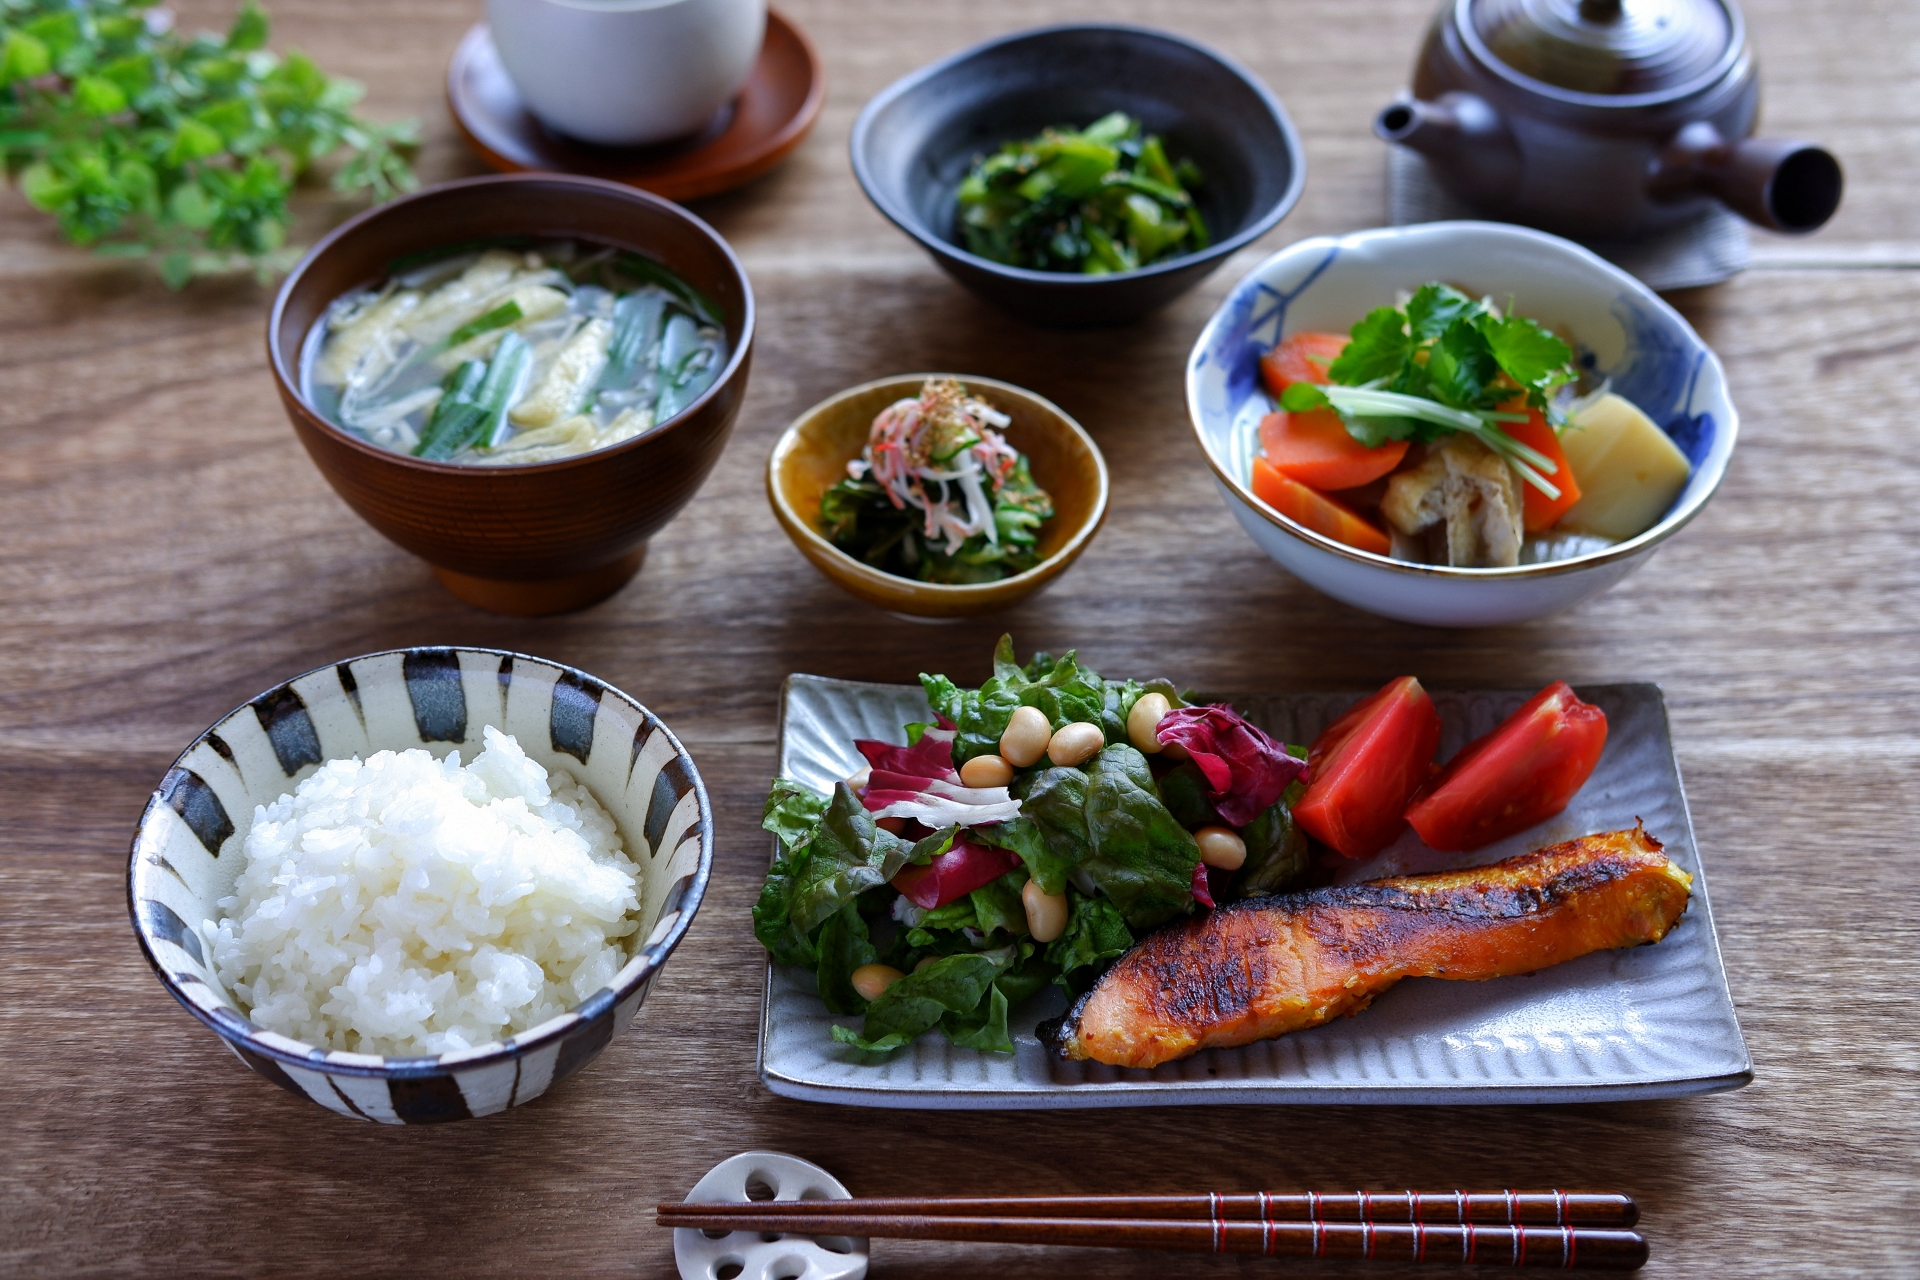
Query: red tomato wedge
(1540, 511)
(1318, 512)
(1523, 772)
(1367, 765)
(1300, 357)
(1318, 451)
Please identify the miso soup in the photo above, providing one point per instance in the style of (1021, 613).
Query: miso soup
(509, 354)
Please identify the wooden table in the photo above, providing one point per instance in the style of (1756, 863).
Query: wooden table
(166, 551)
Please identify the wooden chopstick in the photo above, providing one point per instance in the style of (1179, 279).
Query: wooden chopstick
(1527, 1208)
(1563, 1247)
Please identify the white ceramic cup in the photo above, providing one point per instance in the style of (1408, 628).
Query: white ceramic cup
(627, 72)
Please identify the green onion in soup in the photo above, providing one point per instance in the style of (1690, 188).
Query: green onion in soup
(508, 355)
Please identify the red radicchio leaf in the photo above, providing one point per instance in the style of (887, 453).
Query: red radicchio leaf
(884, 787)
(960, 870)
(931, 757)
(1202, 886)
(1246, 771)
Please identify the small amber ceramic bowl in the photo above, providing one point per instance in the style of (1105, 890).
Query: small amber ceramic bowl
(811, 456)
(545, 537)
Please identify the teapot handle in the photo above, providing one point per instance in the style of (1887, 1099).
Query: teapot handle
(1776, 183)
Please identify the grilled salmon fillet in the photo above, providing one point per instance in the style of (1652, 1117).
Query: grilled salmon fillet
(1265, 966)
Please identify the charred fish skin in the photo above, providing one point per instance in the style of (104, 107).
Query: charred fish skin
(1266, 966)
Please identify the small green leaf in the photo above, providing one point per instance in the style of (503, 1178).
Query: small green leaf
(119, 26)
(193, 140)
(341, 93)
(249, 29)
(1531, 356)
(57, 32)
(298, 75)
(1303, 397)
(22, 58)
(99, 96)
(222, 69)
(1434, 306)
(1374, 432)
(176, 268)
(792, 811)
(133, 73)
(138, 183)
(43, 188)
(1378, 347)
(191, 206)
(1460, 365)
(229, 119)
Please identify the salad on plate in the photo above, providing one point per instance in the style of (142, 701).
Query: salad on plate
(1038, 827)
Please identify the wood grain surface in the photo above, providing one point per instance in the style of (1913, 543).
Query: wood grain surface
(166, 551)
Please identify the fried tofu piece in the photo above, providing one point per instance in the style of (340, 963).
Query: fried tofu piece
(1473, 491)
(563, 391)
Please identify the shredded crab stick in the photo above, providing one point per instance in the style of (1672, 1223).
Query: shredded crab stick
(935, 453)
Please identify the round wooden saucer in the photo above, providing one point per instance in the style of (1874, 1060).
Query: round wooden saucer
(751, 135)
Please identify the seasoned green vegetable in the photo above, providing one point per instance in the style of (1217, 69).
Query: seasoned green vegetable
(938, 494)
(143, 142)
(1096, 200)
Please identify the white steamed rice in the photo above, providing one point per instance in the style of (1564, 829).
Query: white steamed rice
(407, 905)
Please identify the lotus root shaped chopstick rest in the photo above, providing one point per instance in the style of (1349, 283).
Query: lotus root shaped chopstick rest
(751, 1255)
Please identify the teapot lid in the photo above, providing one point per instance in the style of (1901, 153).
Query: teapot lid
(1606, 48)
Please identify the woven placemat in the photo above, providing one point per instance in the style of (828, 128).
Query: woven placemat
(1705, 250)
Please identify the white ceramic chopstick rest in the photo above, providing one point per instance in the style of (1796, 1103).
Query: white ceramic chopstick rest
(748, 1255)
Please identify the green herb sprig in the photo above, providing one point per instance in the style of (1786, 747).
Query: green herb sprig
(145, 143)
(1445, 362)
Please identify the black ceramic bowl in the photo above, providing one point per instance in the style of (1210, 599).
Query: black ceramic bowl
(914, 143)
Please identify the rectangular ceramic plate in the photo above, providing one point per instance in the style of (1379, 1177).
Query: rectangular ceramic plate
(1650, 1022)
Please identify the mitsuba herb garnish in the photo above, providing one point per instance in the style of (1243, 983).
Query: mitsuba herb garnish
(1444, 362)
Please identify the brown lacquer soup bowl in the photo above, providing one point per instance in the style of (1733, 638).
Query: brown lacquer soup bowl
(534, 538)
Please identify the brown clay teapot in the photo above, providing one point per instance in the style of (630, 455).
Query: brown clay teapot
(1604, 119)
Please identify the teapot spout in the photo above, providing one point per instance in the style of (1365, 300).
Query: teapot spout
(1774, 183)
(1468, 142)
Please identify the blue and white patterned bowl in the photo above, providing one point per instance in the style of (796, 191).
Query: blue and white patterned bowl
(187, 853)
(1622, 330)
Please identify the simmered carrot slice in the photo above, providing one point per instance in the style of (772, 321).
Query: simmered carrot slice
(1300, 357)
(1325, 516)
(1542, 512)
(1316, 449)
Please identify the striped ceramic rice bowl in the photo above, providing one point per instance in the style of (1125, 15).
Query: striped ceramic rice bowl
(188, 854)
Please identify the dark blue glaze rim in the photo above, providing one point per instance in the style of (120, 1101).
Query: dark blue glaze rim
(240, 1032)
(943, 248)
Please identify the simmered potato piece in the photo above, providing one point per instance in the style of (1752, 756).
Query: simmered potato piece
(1629, 471)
